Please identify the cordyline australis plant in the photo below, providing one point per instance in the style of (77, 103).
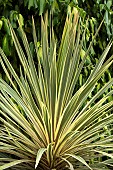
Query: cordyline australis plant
(43, 122)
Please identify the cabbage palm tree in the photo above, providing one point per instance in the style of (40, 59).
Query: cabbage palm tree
(45, 122)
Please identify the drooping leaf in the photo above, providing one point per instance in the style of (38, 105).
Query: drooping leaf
(39, 155)
(79, 159)
(8, 165)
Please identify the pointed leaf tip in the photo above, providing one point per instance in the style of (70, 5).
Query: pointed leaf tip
(39, 155)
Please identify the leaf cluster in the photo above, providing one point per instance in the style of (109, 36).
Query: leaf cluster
(46, 122)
